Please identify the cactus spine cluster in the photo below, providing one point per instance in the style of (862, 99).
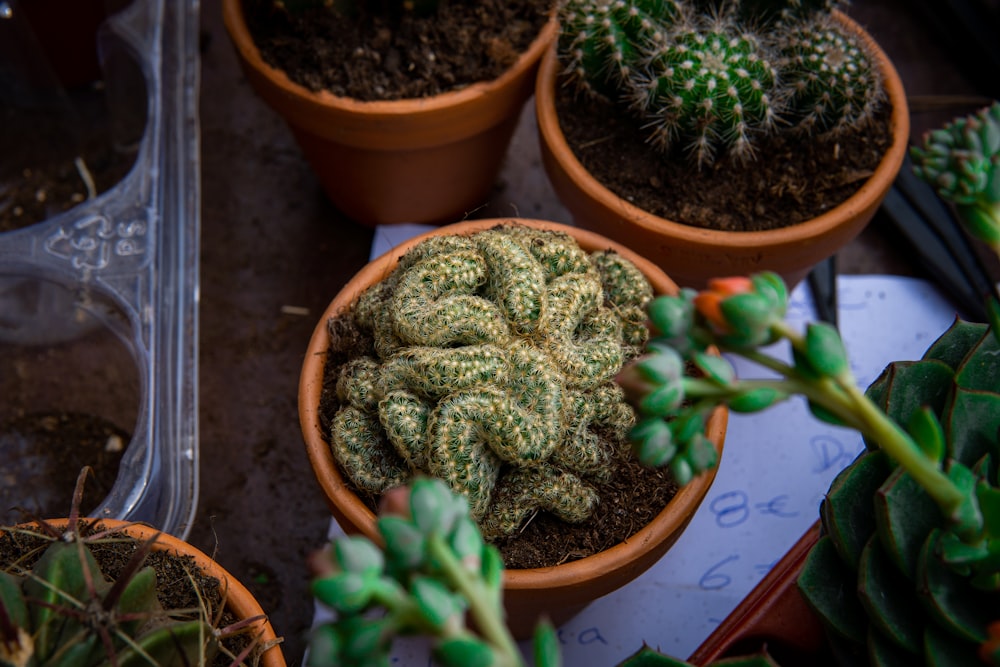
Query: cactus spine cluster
(492, 367)
(713, 77)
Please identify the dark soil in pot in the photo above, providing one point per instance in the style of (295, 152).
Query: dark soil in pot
(379, 55)
(792, 179)
(632, 497)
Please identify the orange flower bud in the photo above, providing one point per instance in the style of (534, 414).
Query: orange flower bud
(708, 302)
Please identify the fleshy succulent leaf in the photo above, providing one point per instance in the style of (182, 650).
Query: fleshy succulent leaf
(828, 586)
(545, 645)
(928, 433)
(463, 652)
(847, 510)
(949, 598)
(904, 517)
(889, 599)
(825, 350)
(716, 368)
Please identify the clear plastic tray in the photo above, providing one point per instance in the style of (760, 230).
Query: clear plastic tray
(98, 304)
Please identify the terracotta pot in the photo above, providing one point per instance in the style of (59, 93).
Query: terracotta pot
(415, 160)
(560, 591)
(692, 255)
(774, 615)
(238, 599)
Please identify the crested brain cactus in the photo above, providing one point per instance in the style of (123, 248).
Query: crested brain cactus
(713, 76)
(492, 368)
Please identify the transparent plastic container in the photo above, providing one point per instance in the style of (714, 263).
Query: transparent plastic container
(98, 303)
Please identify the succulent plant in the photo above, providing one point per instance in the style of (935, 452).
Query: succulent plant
(431, 574)
(713, 77)
(960, 161)
(58, 608)
(492, 368)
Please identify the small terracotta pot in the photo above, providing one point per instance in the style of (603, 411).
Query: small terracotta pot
(774, 615)
(415, 160)
(690, 254)
(560, 591)
(239, 600)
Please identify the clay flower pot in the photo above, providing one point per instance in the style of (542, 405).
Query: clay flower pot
(240, 602)
(414, 160)
(559, 591)
(690, 254)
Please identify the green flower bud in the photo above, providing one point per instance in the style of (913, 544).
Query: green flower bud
(653, 442)
(755, 400)
(825, 350)
(437, 604)
(671, 316)
(404, 543)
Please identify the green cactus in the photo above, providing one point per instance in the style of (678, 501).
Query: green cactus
(710, 88)
(58, 608)
(495, 355)
(713, 77)
(831, 76)
(603, 41)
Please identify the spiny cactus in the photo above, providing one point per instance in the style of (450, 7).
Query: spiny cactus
(714, 76)
(57, 607)
(495, 358)
(710, 88)
(832, 78)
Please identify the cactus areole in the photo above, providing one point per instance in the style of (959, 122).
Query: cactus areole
(489, 362)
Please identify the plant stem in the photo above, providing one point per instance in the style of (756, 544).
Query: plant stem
(487, 617)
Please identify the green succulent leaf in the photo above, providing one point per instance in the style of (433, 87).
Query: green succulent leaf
(928, 434)
(492, 567)
(325, 646)
(943, 649)
(967, 519)
(405, 546)
(364, 639)
(466, 542)
(906, 387)
(889, 599)
(755, 400)
(847, 510)
(662, 366)
(700, 452)
(882, 652)
(463, 652)
(825, 350)
(12, 599)
(653, 442)
(671, 316)
(357, 554)
(545, 645)
(437, 604)
(955, 343)
(682, 470)
(904, 516)
(949, 597)
(431, 507)
(828, 586)
(824, 415)
(749, 316)
(662, 401)
(989, 504)
(347, 592)
(716, 368)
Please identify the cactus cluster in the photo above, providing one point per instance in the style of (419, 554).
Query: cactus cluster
(713, 77)
(492, 367)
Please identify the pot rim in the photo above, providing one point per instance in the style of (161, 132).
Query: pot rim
(239, 599)
(352, 514)
(235, 22)
(798, 234)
